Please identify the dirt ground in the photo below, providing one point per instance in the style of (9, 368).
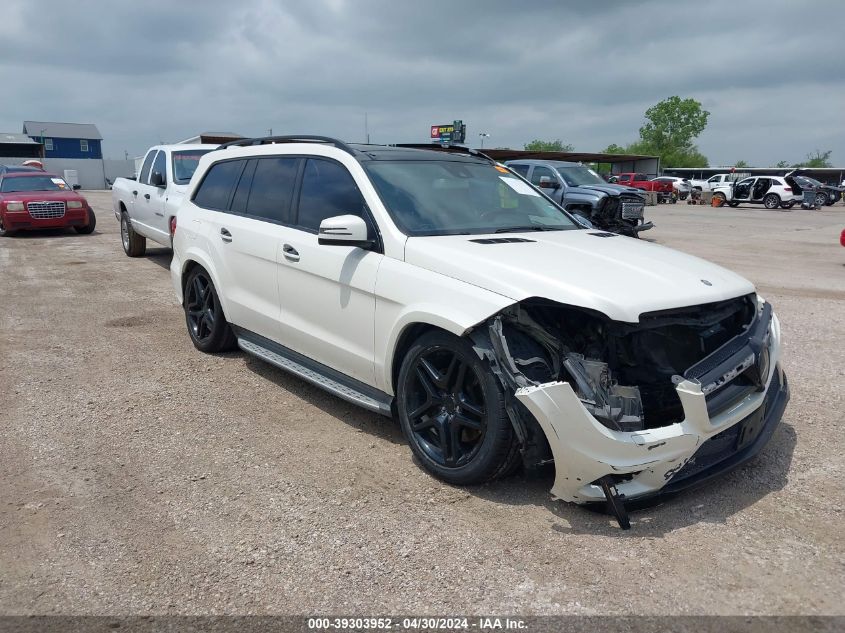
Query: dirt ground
(140, 476)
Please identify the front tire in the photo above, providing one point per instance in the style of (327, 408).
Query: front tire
(452, 411)
(134, 245)
(88, 228)
(771, 201)
(4, 232)
(207, 325)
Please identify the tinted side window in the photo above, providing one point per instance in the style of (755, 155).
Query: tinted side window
(640, 177)
(539, 172)
(522, 170)
(624, 178)
(241, 196)
(159, 165)
(217, 185)
(272, 188)
(328, 189)
(144, 176)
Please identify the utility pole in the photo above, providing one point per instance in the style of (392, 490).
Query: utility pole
(483, 136)
(366, 128)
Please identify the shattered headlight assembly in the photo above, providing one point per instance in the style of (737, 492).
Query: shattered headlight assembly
(617, 407)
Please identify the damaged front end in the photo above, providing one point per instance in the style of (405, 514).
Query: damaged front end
(629, 411)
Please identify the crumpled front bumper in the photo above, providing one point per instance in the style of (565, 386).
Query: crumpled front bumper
(656, 461)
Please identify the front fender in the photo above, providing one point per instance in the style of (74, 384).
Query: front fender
(182, 259)
(408, 295)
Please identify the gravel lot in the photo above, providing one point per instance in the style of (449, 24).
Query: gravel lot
(140, 476)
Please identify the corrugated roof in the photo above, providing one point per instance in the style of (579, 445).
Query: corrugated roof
(16, 139)
(61, 130)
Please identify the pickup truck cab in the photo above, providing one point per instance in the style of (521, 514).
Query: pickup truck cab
(146, 207)
(719, 180)
(663, 189)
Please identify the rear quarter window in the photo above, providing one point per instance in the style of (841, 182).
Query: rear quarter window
(216, 187)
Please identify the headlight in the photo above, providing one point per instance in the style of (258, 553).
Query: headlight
(74, 204)
(14, 206)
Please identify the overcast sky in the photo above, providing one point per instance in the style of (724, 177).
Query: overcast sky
(770, 72)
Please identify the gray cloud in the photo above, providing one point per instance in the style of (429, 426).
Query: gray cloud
(770, 73)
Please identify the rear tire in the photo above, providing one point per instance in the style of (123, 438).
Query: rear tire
(821, 199)
(452, 411)
(771, 201)
(134, 245)
(207, 325)
(88, 228)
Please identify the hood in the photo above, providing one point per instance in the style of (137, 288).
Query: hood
(609, 188)
(32, 196)
(618, 276)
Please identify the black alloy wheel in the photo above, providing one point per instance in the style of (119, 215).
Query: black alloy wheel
(447, 410)
(204, 317)
(200, 304)
(452, 411)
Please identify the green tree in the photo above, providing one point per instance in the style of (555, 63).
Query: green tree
(817, 159)
(673, 124)
(556, 145)
(782, 164)
(613, 148)
(741, 164)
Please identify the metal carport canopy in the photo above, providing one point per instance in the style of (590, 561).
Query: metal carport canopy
(619, 163)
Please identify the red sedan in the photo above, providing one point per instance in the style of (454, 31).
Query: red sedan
(31, 200)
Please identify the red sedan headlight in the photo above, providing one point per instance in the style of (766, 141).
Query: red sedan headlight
(74, 204)
(14, 206)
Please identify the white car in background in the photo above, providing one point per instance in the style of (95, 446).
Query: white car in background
(445, 290)
(770, 191)
(681, 186)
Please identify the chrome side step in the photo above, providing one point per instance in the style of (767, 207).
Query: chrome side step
(315, 373)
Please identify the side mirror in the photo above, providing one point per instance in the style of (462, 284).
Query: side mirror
(344, 230)
(547, 183)
(157, 179)
(77, 187)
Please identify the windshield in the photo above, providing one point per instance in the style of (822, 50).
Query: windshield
(34, 183)
(578, 176)
(185, 164)
(441, 197)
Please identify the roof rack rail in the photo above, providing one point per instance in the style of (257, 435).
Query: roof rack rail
(292, 138)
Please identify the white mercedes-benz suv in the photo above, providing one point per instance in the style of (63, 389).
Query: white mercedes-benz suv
(445, 290)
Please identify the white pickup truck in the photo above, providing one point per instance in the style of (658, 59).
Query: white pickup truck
(718, 180)
(146, 207)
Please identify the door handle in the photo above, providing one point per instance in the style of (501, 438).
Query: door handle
(291, 254)
(134, 193)
(147, 196)
(225, 235)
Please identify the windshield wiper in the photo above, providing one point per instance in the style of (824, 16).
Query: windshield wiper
(522, 229)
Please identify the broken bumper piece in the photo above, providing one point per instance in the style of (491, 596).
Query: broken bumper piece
(651, 463)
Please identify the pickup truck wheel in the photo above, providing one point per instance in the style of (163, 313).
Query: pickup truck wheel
(134, 245)
(88, 228)
(452, 411)
(771, 201)
(207, 325)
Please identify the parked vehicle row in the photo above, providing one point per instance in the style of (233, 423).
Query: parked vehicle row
(448, 291)
(475, 302)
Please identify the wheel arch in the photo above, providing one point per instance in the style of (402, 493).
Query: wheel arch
(191, 261)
